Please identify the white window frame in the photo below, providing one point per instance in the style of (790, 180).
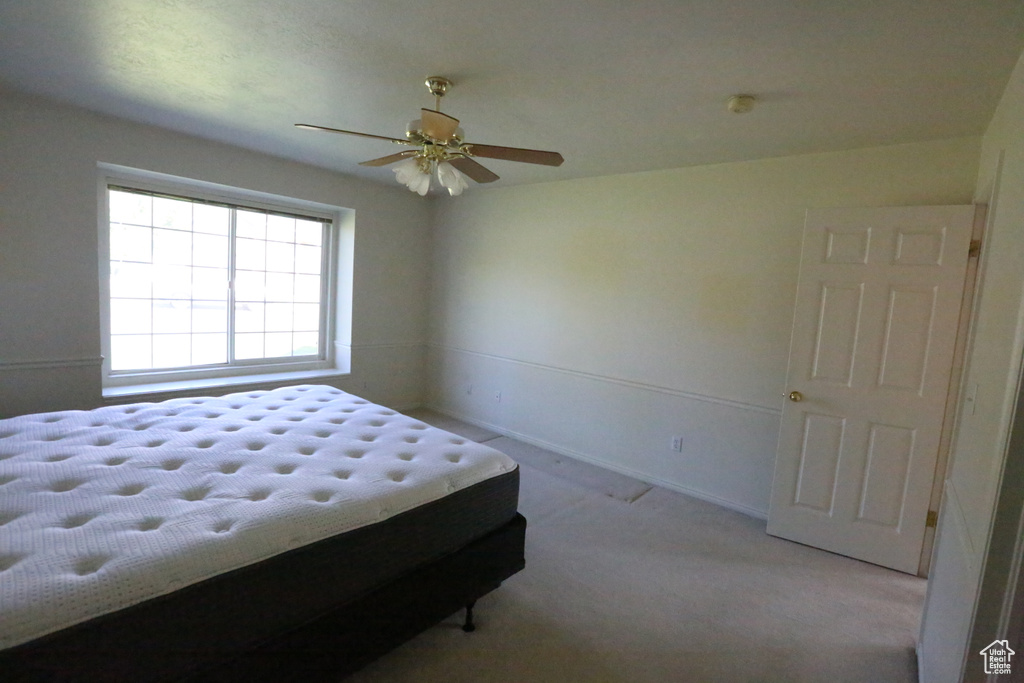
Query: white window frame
(337, 288)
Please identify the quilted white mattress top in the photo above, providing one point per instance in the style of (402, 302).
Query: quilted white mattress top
(106, 508)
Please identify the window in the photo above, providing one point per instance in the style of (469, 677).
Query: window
(203, 285)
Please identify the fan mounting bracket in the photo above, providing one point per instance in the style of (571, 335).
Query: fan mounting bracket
(438, 85)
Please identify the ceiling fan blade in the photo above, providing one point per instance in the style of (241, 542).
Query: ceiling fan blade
(473, 169)
(529, 156)
(389, 159)
(310, 126)
(438, 126)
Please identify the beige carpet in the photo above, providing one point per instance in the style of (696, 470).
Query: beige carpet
(664, 588)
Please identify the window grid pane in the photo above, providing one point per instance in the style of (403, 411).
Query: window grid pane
(273, 289)
(172, 260)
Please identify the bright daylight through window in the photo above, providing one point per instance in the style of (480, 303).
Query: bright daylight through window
(197, 284)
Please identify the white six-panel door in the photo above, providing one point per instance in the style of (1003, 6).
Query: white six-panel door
(874, 330)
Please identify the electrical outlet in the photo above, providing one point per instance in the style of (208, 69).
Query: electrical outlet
(677, 444)
(469, 389)
(497, 396)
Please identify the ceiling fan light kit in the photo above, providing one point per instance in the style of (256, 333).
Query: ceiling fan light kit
(441, 151)
(451, 178)
(416, 173)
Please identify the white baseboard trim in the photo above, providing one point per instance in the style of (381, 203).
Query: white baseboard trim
(629, 472)
(917, 654)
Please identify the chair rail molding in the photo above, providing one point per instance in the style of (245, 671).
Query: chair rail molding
(633, 384)
(51, 364)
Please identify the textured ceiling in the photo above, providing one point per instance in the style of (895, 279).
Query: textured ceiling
(614, 86)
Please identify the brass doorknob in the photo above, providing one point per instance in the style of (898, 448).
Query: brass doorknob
(796, 396)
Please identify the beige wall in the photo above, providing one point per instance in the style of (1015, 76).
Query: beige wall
(49, 315)
(609, 313)
(614, 313)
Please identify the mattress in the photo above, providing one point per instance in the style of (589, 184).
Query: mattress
(101, 510)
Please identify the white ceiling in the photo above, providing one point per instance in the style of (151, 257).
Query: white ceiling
(615, 86)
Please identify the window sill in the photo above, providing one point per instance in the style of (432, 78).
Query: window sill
(164, 390)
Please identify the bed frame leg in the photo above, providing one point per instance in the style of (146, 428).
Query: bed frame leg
(468, 626)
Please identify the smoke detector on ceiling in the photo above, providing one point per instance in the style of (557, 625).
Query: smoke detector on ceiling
(741, 104)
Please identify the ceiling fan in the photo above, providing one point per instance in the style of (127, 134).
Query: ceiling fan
(440, 148)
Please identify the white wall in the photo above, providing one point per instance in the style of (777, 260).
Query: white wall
(49, 291)
(971, 565)
(614, 313)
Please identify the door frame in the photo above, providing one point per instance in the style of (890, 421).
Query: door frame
(957, 394)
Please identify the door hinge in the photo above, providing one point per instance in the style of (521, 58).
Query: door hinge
(932, 520)
(975, 249)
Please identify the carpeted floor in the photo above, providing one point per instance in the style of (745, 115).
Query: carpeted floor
(632, 583)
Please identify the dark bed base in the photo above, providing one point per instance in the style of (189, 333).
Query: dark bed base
(329, 647)
(348, 639)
